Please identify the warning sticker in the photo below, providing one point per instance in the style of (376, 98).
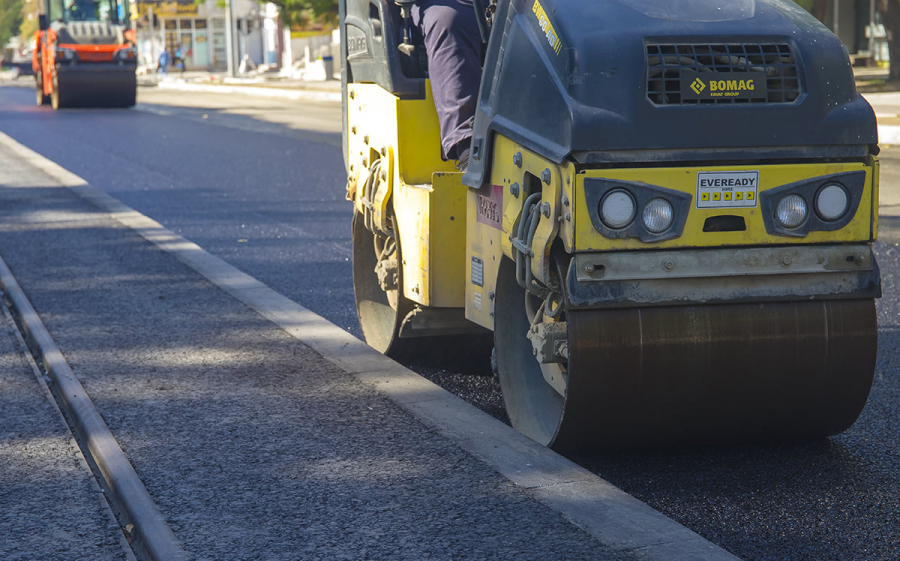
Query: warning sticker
(477, 272)
(489, 210)
(727, 189)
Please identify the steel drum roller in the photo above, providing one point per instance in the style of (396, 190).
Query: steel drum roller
(748, 371)
(702, 373)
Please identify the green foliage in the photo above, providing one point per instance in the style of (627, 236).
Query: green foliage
(307, 12)
(30, 22)
(299, 13)
(10, 20)
(807, 4)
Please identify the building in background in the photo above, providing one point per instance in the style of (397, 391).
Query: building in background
(858, 25)
(198, 30)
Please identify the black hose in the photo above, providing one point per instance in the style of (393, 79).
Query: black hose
(481, 17)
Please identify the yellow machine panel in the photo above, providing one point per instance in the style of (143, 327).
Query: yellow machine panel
(484, 250)
(409, 126)
(872, 161)
(429, 206)
(494, 213)
(860, 228)
(432, 228)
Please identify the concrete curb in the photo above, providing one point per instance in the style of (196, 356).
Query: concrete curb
(48, 395)
(151, 535)
(616, 519)
(258, 91)
(17, 83)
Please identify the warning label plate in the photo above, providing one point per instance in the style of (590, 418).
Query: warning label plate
(727, 189)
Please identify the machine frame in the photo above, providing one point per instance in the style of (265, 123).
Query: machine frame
(729, 322)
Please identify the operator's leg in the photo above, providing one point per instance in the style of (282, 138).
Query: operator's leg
(453, 46)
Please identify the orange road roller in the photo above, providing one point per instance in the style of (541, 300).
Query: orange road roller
(85, 54)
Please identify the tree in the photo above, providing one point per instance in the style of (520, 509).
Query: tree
(299, 12)
(890, 17)
(10, 20)
(819, 9)
(30, 13)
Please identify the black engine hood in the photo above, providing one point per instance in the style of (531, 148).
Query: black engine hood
(569, 78)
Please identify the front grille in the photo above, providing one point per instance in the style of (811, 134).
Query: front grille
(667, 62)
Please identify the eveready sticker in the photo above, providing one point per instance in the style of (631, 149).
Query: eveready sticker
(727, 189)
(490, 209)
(546, 27)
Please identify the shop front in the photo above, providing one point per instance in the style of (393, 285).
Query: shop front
(196, 32)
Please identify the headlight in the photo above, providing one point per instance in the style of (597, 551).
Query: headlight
(125, 54)
(791, 211)
(657, 215)
(617, 209)
(63, 53)
(832, 202)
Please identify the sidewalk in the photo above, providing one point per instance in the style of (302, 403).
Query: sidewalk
(887, 110)
(50, 506)
(266, 85)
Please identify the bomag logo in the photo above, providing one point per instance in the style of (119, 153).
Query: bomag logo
(723, 85)
(698, 86)
(730, 86)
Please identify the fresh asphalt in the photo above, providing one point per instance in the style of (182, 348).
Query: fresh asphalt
(48, 501)
(252, 444)
(252, 182)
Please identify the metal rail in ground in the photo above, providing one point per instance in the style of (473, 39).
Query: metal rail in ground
(151, 537)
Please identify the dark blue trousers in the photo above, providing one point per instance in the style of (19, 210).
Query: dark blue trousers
(453, 46)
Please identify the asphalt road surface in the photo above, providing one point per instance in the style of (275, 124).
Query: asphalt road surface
(260, 183)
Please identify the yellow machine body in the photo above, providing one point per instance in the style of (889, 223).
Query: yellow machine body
(422, 191)
(725, 327)
(445, 229)
(518, 170)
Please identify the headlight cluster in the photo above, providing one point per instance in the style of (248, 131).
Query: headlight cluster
(819, 204)
(831, 203)
(791, 211)
(630, 209)
(658, 215)
(125, 54)
(618, 209)
(63, 53)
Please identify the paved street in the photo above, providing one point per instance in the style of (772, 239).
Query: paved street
(42, 472)
(260, 184)
(251, 444)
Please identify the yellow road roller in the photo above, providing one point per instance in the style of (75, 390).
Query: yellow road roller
(666, 220)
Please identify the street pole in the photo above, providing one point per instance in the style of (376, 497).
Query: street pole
(229, 38)
(837, 18)
(153, 57)
(872, 31)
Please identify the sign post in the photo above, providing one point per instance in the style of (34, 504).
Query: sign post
(229, 38)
